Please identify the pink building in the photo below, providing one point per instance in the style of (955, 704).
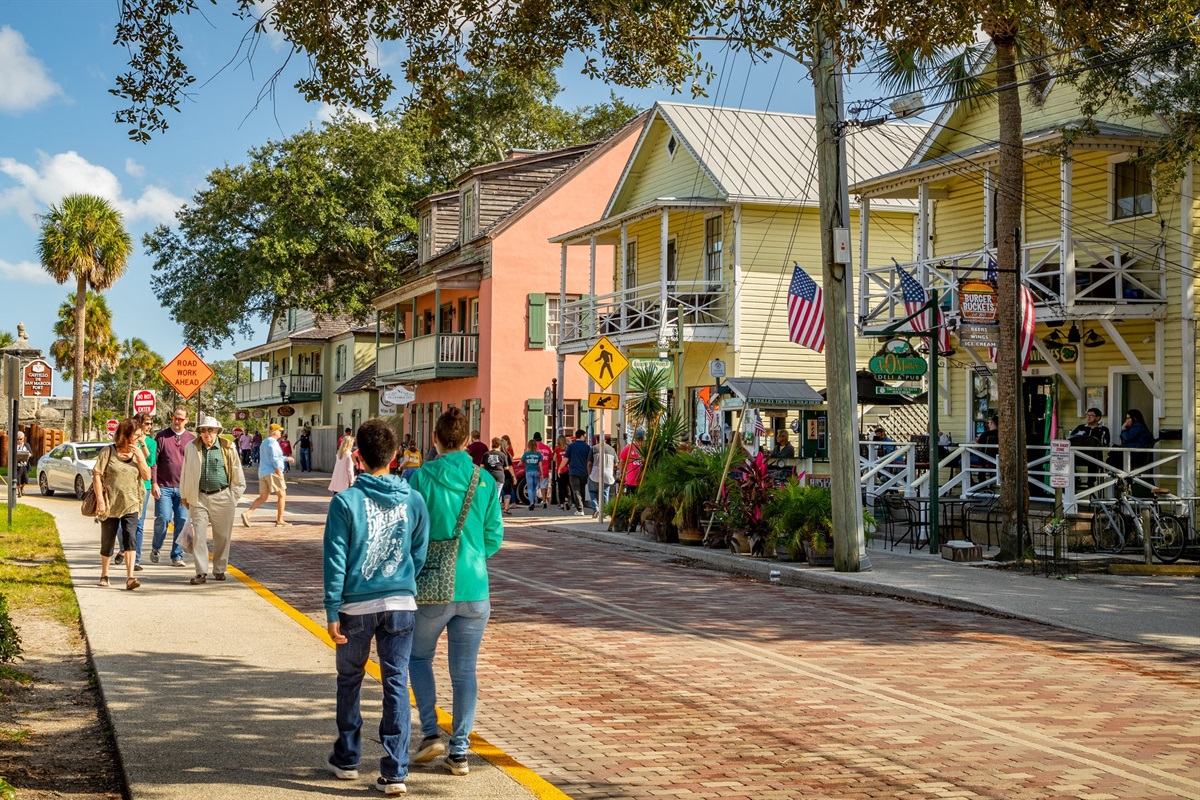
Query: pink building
(478, 314)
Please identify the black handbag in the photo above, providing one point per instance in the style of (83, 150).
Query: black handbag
(435, 581)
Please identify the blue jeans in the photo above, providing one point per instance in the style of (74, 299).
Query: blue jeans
(141, 526)
(532, 481)
(393, 635)
(594, 490)
(305, 459)
(168, 505)
(407, 472)
(464, 624)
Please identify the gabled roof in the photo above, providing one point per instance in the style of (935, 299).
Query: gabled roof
(768, 156)
(322, 330)
(362, 381)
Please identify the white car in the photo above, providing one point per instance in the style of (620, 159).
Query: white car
(68, 467)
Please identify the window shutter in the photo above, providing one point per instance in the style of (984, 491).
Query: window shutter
(535, 419)
(537, 322)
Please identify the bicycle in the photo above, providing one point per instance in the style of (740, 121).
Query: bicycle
(1110, 522)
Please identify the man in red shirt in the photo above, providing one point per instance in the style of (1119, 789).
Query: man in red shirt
(477, 449)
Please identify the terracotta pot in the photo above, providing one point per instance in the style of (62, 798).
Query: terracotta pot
(691, 536)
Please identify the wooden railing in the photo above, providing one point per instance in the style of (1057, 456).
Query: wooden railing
(428, 354)
(640, 310)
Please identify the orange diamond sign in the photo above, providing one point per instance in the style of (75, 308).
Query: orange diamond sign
(186, 373)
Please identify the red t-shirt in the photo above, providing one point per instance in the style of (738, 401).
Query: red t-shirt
(477, 450)
(633, 472)
(546, 453)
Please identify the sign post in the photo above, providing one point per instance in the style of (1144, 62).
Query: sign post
(36, 379)
(13, 391)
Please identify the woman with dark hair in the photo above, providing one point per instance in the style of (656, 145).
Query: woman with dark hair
(1136, 434)
(462, 499)
(117, 481)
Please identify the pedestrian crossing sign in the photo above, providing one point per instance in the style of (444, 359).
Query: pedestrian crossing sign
(600, 401)
(604, 363)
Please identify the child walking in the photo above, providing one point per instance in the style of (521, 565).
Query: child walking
(376, 537)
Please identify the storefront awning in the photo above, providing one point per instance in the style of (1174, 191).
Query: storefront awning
(775, 392)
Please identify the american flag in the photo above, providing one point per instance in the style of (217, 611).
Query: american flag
(806, 311)
(914, 298)
(1028, 315)
(759, 428)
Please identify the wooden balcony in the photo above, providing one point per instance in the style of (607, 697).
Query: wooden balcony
(426, 358)
(700, 310)
(1097, 279)
(301, 389)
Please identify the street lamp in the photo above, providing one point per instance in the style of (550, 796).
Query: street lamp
(283, 390)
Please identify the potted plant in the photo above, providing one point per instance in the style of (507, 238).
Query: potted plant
(620, 511)
(747, 493)
(685, 483)
(801, 520)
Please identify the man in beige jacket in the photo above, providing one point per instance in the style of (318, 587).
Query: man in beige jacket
(210, 486)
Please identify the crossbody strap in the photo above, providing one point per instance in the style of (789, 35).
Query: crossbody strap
(462, 515)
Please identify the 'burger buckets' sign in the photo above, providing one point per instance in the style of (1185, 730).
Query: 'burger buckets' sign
(977, 314)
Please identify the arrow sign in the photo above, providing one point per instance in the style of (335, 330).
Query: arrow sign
(603, 400)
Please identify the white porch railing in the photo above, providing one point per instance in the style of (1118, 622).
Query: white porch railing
(1104, 272)
(451, 351)
(639, 310)
(301, 388)
(892, 467)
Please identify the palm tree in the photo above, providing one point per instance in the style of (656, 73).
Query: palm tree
(137, 360)
(101, 349)
(6, 339)
(83, 237)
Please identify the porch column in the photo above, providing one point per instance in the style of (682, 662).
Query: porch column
(664, 233)
(591, 385)
(396, 324)
(989, 189)
(556, 413)
(864, 218)
(1187, 199)
(437, 309)
(922, 232)
(377, 333)
(414, 316)
(623, 259)
(1066, 251)
(735, 305)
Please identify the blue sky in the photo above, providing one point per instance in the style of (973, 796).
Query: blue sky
(57, 136)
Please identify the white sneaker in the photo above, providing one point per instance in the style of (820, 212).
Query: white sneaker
(341, 772)
(456, 765)
(390, 786)
(579, 513)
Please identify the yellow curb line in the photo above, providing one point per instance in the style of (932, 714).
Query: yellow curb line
(1154, 569)
(539, 786)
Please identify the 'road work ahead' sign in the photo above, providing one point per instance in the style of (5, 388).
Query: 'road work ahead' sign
(186, 373)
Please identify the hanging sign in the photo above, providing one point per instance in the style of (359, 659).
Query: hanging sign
(286, 411)
(897, 361)
(977, 302)
(241, 415)
(398, 396)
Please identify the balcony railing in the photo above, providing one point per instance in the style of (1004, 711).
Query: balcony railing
(438, 355)
(1103, 273)
(701, 309)
(301, 389)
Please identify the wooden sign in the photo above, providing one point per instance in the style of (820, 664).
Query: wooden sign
(186, 373)
(37, 378)
(286, 411)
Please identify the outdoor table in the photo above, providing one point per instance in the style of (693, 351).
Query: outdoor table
(951, 520)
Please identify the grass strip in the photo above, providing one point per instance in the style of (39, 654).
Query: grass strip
(33, 569)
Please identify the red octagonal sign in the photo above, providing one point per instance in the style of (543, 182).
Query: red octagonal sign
(144, 401)
(112, 427)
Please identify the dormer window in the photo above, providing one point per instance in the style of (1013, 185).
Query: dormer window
(425, 237)
(291, 319)
(467, 225)
(672, 146)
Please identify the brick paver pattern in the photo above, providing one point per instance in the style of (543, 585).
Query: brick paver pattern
(617, 673)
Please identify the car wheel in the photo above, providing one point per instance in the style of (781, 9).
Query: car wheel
(522, 495)
(44, 485)
(80, 489)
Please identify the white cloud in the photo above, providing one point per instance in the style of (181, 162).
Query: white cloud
(327, 112)
(134, 169)
(24, 82)
(55, 176)
(26, 272)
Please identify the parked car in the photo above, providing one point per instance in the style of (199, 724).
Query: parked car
(68, 467)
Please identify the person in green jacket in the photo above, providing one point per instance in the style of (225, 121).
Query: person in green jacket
(149, 449)
(444, 483)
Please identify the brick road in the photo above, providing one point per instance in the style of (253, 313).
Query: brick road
(615, 673)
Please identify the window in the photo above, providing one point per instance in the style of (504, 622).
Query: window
(355, 419)
(672, 146)
(570, 420)
(536, 319)
(712, 249)
(672, 268)
(340, 426)
(425, 234)
(630, 264)
(467, 214)
(339, 363)
(473, 316)
(554, 318)
(1133, 194)
(291, 319)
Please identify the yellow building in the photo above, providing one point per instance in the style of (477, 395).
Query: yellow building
(713, 208)
(1110, 263)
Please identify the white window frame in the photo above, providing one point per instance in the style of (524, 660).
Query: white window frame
(468, 212)
(473, 315)
(571, 416)
(554, 319)
(1113, 163)
(719, 253)
(425, 237)
(631, 264)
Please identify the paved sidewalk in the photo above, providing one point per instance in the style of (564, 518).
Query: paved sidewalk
(1133, 610)
(215, 693)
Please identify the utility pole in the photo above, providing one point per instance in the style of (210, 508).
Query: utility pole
(836, 283)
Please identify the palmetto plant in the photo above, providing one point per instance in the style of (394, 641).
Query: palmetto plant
(83, 237)
(644, 395)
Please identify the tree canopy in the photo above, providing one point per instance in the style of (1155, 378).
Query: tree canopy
(327, 214)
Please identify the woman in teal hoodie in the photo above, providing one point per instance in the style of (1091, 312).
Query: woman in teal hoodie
(444, 484)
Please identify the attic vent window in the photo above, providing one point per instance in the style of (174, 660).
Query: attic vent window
(672, 146)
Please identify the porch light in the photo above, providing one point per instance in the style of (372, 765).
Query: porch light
(1093, 339)
(1055, 340)
(1074, 337)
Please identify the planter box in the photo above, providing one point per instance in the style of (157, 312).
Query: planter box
(818, 559)
(960, 550)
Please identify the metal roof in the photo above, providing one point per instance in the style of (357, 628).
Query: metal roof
(775, 392)
(365, 379)
(771, 156)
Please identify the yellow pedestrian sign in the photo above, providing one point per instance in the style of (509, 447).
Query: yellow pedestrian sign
(604, 363)
(598, 401)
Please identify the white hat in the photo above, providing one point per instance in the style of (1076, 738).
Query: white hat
(208, 422)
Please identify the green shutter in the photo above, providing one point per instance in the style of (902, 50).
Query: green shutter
(535, 420)
(537, 322)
